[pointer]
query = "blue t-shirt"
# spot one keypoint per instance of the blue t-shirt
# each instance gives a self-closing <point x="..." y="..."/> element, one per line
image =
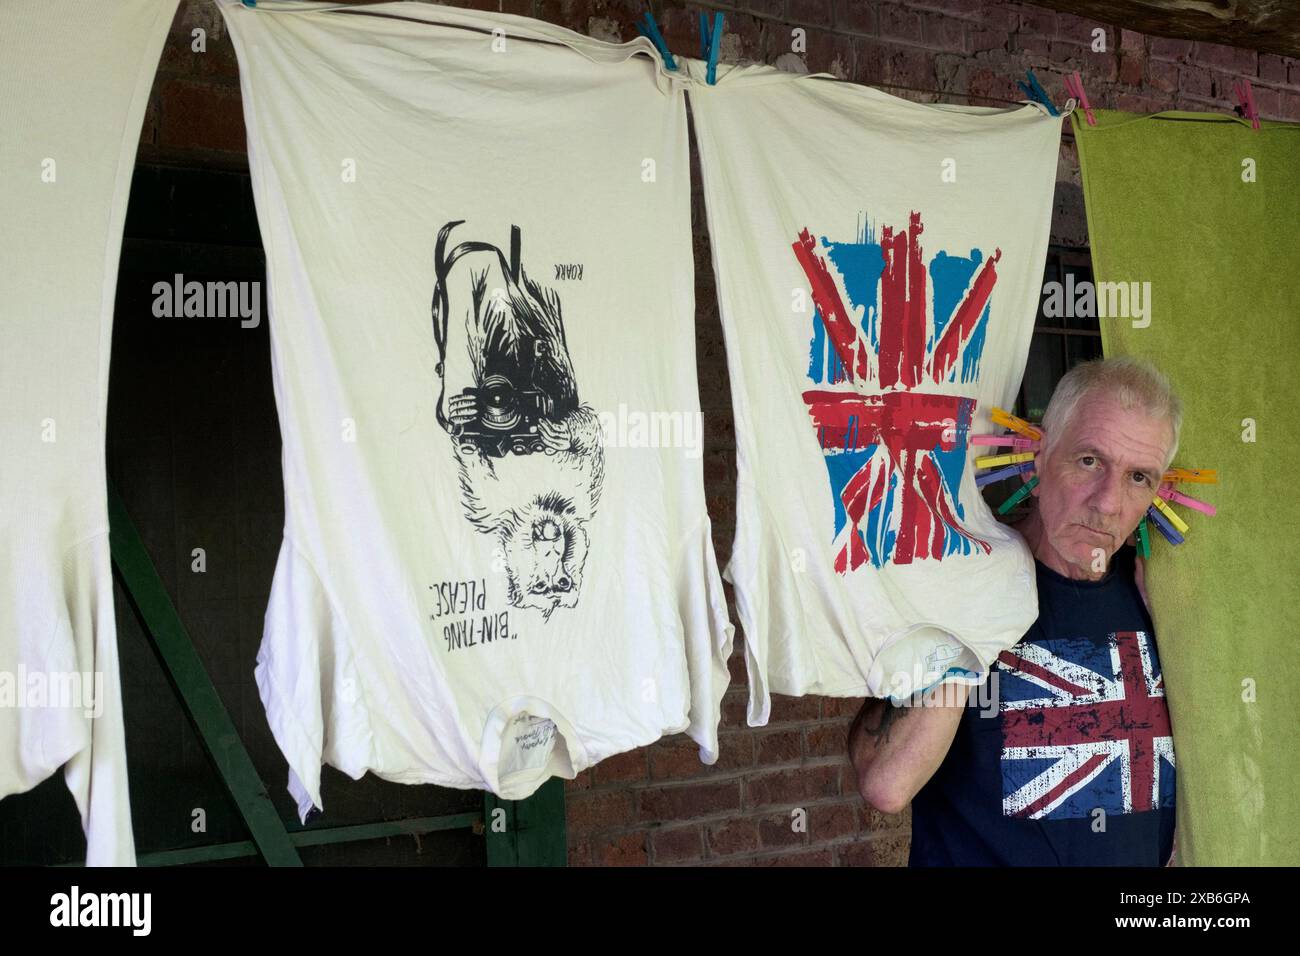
<point x="1064" y="756"/>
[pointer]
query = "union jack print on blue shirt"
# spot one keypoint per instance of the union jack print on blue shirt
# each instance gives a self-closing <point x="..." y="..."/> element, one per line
<point x="1085" y="725"/>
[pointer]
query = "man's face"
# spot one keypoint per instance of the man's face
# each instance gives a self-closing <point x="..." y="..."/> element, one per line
<point x="1098" y="481"/>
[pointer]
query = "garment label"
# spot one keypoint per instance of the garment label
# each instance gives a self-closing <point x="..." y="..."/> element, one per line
<point x="530" y="740"/>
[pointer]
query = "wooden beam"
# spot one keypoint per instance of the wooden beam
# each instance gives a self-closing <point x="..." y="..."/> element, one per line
<point x="1269" y="26"/>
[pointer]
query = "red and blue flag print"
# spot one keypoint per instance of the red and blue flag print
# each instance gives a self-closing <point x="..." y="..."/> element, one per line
<point x="888" y="328"/>
<point x="1085" y="725"/>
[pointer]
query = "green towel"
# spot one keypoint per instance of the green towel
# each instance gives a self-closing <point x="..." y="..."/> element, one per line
<point x="1167" y="204"/>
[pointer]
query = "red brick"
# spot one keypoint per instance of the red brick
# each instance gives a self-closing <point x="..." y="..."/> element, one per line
<point x="1037" y="21"/>
<point x="794" y="708"/>
<point x="1080" y="30"/>
<point x="777" y="830"/>
<point x="890" y="850"/>
<point x="993" y="85"/>
<point x="623" y="768"/>
<point x="598" y="810"/>
<point x="830" y="52"/>
<point x="792" y="787"/>
<point x="1093" y="67"/>
<point x="1293" y="73"/>
<point x="1166" y="48"/>
<point x="832" y="822"/>
<point x="781" y="746"/>
<point x="855" y="854"/>
<point x="1131" y="67"/>
<point x="1228" y="58"/>
<point x="217" y="60"/>
<point x="871" y="820"/>
<point x="828" y="740"/>
<point x="1003" y="16"/>
<point x="809" y="13"/>
<point x="688" y="800"/>
<point x="1290" y="106"/>
<point x="1268" y="102"/>
<point x="736" y="662"/>
<point x="855" y="16"/>
<point x="943" y="33"/>
<point x="1196" y="81"/>
<point x="1163" y="75"/>
<point x="896" y="22"/>
<point x="1272" y="68"/>
<point x="678" y="757"/>
<point x="822" y="857"/>
<point x="678" y="844"/>
<point x="909" y="67"/>
<point x="728" y="837"/>
<point x="579" y="853"/>
<point x="735" y="705"/>
<point x="833" y="707"/>
<point x="980" y="40"/>
<point x="1132" y="40"/>
<point x="1138" y="103"/>
<point x="1033" y="46"/>
<point x="582" y="781"/>
<point x="201" y="116"/>
<point x="626" y="850"/>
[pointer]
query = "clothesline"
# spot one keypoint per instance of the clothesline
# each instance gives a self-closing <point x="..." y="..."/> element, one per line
<point x="889" y="86"/>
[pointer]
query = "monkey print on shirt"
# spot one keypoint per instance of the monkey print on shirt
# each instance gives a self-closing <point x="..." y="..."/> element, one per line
<point x="529" y="453"/>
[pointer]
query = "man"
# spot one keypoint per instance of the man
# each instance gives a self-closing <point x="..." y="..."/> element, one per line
<point x="1064" y="755"/>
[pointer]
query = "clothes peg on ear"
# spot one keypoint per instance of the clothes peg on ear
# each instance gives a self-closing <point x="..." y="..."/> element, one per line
<point x="992" y="476"/>
<point x="994" y="461"/>
<point x="1017" y="442"/>
<point x="1143" y="539"/>
<point x="1020" y="495"/>
<point x="1019" y="425"/>
<point x="1198" y="475"/>
<point x="1164" y="526"/>
<point x="1169" y="513"/>
<point x="1185" y="500"/>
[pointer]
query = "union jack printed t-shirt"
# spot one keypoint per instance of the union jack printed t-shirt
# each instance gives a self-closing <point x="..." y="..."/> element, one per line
<point x="1065" y="756"/>
<point x="879" y="266"/>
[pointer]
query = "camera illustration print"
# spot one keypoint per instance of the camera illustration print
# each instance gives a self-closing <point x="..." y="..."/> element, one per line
<point x="529" y="453"/>
<point x="889" y="328"/>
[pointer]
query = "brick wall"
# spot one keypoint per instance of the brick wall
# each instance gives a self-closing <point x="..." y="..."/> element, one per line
<point x="780" y="794"/>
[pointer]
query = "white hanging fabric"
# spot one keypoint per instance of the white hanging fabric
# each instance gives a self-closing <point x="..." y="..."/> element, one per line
<point x="497" y="564"/>
<point x="75" y="77"/>
<point x="878" y="265"/>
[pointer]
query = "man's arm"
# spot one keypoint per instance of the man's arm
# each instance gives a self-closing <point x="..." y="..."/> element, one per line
<point x="896" y="749"/>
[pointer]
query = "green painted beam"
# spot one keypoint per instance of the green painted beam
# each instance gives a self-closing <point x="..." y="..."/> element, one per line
<point x="199" y="696"/>
<point x="317" y="837"/>
<point x="527" y="832"/>
<point x="375" y="831"/>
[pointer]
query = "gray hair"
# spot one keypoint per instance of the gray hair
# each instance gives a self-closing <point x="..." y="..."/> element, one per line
<point x="1135" y="382"/>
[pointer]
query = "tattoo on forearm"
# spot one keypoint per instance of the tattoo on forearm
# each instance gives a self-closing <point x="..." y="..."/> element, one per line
<point x="890" y="714"/>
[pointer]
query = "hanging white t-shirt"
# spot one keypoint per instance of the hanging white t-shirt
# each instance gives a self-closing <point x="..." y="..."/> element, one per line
<point x="75" y="77"/>
<point x="878" y="266"/>
<point x="497" y="564"/>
